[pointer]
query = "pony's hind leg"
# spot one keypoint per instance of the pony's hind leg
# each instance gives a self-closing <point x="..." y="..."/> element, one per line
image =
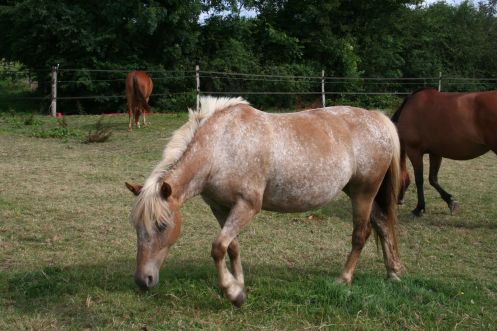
<point x="388" y="243"/>
<point x="240" y="215"/>
<point x="435" y="162"/>
<point x="361" y="209"/>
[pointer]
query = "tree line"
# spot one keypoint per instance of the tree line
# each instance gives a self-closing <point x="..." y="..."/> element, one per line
<point x="346" y="38"/>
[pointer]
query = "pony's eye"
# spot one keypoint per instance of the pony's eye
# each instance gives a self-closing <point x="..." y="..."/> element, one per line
<point x="160" y="226"/>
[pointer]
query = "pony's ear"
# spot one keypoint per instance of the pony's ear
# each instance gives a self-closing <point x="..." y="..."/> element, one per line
<point x="134" y="188"/>
<point x="165" y="190"/>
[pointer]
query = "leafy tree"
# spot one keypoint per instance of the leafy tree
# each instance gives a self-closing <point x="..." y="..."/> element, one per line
<point x="346" y="38"/>
<point x="98" y="35"/>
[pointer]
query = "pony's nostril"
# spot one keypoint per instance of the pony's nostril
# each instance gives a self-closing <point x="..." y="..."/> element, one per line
<point x="150" y="281"/>
<point x="144" y="282"/>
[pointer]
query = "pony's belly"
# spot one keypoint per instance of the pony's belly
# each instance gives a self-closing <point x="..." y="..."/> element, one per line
<point x="295" y="197"/>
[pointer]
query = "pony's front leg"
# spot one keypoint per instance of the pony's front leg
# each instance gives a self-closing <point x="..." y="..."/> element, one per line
<point x="221" y="215"/>
<point x="236" y="262"/>
<point x="232" y="286"/>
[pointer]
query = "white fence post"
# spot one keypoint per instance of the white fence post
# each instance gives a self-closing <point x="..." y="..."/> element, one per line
<point x="323" y="94"/>
<point x="197" y="78"/>
<point x="53" y="104"/>
<point x="440" y="81"/>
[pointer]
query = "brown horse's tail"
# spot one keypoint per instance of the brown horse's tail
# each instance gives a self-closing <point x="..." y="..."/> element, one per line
<point x="139" y="97"/>
<point x="385" y="202"/>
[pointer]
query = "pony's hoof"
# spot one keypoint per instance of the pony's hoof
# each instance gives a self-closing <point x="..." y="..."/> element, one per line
<point x="343" y="280"/>
<point x="453" y="207"/>
<point x="240" y="299"/>
<point x="393" y="277"/>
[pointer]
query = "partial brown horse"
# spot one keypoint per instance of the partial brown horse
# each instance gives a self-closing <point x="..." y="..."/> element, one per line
<point x="242" y="160"/>
<point x="458" y="126"/>
<point x="139" y="86"/>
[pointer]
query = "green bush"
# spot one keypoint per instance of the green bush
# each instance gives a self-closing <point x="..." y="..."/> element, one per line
<point x="32" y="120"/>
<point x="58" y="132"/>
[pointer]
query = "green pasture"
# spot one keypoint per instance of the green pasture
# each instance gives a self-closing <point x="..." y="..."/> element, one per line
<point x="67" y="248"/>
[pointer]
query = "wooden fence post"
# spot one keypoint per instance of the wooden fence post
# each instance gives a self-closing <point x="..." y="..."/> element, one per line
<point x="439" y="81"/>
<point x="197" y="78"/>
<point x="53" y="104"/>
<point x="323" y="94"/>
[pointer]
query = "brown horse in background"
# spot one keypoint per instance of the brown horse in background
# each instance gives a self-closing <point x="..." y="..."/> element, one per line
<point x="138" y="89"/>
<point x="241" y="160"/>
<point x="458" y="126"/>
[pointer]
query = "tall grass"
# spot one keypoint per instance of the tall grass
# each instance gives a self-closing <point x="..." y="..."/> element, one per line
<point x="67" y="250"/>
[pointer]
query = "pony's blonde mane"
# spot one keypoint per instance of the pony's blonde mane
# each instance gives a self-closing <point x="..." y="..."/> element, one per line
<point x="149" y="206"/>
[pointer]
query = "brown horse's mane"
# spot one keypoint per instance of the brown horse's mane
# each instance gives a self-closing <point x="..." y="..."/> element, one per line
<point x="396" y="115"/>
<point x="149" y="207"/>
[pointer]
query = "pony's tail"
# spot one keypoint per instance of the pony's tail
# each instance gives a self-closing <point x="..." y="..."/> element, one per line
<point x="139" y="95"/>
<point x="385" y="202"/>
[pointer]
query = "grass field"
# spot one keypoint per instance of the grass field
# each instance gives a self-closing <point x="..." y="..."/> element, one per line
<point x="67" y="249"/>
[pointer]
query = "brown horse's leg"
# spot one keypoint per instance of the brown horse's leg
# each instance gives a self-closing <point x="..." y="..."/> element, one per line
<point x="361" y="209"/>
<point x="144" y="111"/>
<point x="240" y="215"/>
<point x="129" y="100"/>
<point x="388" y="244"/>
<point x="417" y="163"/>
<point x="137" y="116"/>
<point x="405" y="180"/>
<point x="221" y="215"/>
<point x="130" y="115"/>
<point x="435" y="162"/>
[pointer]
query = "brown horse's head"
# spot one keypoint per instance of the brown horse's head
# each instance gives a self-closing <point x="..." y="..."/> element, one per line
<point x="157" y="224"/>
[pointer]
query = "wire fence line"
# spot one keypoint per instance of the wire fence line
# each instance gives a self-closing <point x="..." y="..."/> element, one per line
<point x="87" y="84"/>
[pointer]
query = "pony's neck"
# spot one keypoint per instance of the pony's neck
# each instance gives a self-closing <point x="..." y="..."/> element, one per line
<point x="187" y="178"/>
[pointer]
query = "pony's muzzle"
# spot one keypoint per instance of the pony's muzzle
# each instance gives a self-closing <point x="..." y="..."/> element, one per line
<point x="146" y="281"/>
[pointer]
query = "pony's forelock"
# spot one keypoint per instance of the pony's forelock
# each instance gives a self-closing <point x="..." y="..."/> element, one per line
<point x="150" y="208"/>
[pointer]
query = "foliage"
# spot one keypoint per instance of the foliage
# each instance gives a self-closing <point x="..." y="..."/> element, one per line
<point x="32" y="120"/>
<point x="61" y="131"/>
<point x="354" y="39"/>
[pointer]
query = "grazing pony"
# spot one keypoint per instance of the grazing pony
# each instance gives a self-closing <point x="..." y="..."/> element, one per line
<point x="241" y="160"/>
<point x="138" y="89"/>
<point x="458" y="126"/>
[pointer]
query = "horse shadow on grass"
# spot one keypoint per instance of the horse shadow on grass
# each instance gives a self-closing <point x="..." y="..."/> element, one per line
<point x="445" y="219"/>
<point x="184" y="284"/>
